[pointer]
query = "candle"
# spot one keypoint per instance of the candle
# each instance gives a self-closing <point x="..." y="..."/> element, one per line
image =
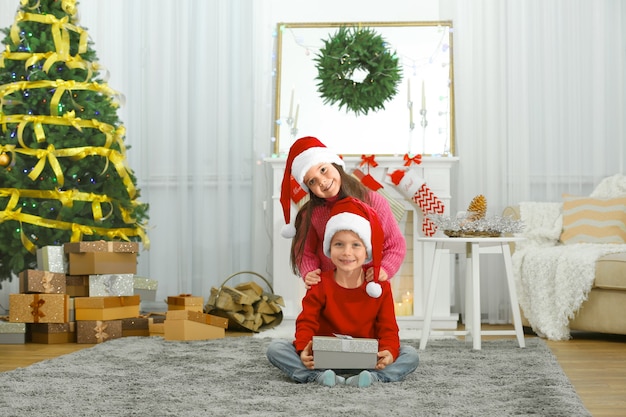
<point x="295" y="120"/>
<point x="291" y="103"/>
<point x="423" y="97"/>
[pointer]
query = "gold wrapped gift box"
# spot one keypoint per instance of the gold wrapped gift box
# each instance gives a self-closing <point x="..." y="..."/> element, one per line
<point x="90" y="258"/>
<point x="185" y="302"/>
<point x="43" y="282"/>
<point x="39" y="308"/>
<point x="106" y="308"/>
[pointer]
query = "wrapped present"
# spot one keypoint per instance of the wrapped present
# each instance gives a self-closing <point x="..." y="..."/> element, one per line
<point x="156" y="325"/>
<point x="344" y="352"/>
<point x="98" y="331"/>
<point x="145" y="288"/>
<point x="106" y="308"/>
<point x="190" y="325"/>
<point x="93" y="258"/>
<point x="136" y="326"/>
<point x="77" y="285"/>
<point x="185" y="302"/>
<point x="52" y="333"/>
<point x="39" y="308"/>
<point x="42" y="282"/>
<point x="52" y="258"/>
<point x="198" y="317"/>
<point x="111" y="284"/>
<point x="12" y="333"/>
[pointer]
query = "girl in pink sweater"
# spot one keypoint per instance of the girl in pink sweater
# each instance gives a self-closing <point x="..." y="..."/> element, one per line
<point x="321" y="172"/>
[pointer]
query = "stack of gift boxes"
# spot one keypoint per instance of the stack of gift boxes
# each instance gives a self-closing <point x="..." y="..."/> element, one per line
<point x="87" y="292"/>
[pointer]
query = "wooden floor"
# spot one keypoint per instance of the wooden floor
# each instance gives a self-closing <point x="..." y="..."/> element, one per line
<point x="594" y="363"/>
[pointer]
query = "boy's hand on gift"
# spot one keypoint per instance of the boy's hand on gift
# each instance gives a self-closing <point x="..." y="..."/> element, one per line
<point x="312" y="278"/>
<point x="382" y="276"/>
<point x="306" y="356"/>
<point x="384" y="358"/>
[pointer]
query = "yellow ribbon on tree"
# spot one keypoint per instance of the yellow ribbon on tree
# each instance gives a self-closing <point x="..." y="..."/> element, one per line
<point x="49" y="154"/>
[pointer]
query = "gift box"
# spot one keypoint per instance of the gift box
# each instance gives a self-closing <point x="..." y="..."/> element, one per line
<point x="177" y="329"/>
<point x="52" y="258"/>
<point x="156" y="325"/>
<point x="12" y="333"/>
<point x="145" y="288"/>
<point x="77" y="285"/>
<point x="39" y="308"/>
<point x="185" y="302"/>
<point x="43" y="282"/>
<point x="93" y="258"/>
<point x="52" y="333"/>
<point x="198" y="317"/>
<point x="98" y="331"/>
<point x="136" y="326"/>
<point x="104" y="285"/>
<point x="106" y="308"/>
<point x="344" y="352"/>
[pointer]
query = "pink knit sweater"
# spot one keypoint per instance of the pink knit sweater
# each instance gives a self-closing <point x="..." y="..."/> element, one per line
<point x="394" y="247"/>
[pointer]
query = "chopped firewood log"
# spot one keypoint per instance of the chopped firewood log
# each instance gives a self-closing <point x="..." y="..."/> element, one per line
<point x="250" y="286"/>
<point x="237" y="296"/>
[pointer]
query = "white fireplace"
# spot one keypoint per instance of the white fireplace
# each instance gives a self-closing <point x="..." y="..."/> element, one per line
<point x="410" y="285"/>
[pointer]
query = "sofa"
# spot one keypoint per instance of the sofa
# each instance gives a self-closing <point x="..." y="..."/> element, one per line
<point x="570" y="270"/>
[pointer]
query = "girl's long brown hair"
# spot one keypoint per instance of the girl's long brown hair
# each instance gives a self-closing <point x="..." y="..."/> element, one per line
<point x="350" y="187"/>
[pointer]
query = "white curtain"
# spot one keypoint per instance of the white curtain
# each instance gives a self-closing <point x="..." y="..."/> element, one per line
<point x="540" y="105"/>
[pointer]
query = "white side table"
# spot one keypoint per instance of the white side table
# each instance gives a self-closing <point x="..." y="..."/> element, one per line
<point x="473" y="248"/>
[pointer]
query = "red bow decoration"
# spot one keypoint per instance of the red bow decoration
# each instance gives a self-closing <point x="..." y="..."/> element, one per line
<point x="369" y="160"/>
<point x="417" y="159"/>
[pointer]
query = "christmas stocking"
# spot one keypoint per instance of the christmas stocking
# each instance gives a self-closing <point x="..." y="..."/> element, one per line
<point x="415" y="189"/>
<point x="370" y="182"/>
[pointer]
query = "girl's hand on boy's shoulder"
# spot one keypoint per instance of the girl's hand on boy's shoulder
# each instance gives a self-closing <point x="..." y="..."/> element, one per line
<point x="312" y="278"/>
<point x="382" y="276"/>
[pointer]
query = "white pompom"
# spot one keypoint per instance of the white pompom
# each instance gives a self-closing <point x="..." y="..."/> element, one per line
<point x="288" y="231"/>
<point x="374" y="289"/>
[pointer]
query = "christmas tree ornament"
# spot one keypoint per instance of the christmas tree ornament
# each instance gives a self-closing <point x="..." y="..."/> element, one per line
<point x="415" y="189"/>
<point x="5" y="159"/>
<point x="356" y="69"/>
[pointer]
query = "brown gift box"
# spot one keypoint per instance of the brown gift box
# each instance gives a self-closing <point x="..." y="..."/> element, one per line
<point x="39" y="308"/>
<point x="198" y="317"/>
<point x="44" y="282"/>
<point x="93" y="263"/>
<point x="52" y="333"/>
<point x="98" y="331"/>
<point x="77" y="285"/>
<point x="101" y="246"/>
<point x="106" y="308"/>
<point x="191" y="330"/>
<point x="185" y="302"/>
<point x="156" y="325"/>
<point x="136" y="326"/>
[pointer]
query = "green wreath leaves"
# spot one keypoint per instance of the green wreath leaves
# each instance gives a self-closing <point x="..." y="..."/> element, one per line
<point x="354" y="52"/>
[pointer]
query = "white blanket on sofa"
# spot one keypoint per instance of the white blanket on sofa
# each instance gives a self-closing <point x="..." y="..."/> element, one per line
<point x="553" y="280"/>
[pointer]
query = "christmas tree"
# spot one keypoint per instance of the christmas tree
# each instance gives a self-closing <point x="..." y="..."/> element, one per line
<point x="63" y="171"/>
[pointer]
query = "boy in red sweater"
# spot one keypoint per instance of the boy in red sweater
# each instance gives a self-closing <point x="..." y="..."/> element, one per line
<point x="343" y="302"/>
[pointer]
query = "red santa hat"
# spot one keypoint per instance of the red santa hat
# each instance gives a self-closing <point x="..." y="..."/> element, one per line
<point x="305" y="153"/>
<point x="354" y="215"/>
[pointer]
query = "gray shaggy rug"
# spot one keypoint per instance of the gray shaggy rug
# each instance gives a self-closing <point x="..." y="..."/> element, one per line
<point x="148" y="376"/>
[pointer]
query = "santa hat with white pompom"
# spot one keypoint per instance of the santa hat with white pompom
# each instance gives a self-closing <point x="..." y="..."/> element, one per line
<point x="354" y="215"/>
<point x="305" y="153"/>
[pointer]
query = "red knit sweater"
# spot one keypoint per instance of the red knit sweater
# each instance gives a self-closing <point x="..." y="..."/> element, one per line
<point x="394" y="246"/>
<point x="329" y="308"/>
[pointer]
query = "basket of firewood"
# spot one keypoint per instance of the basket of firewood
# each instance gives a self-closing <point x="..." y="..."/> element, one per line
<point x="247" y="305"/>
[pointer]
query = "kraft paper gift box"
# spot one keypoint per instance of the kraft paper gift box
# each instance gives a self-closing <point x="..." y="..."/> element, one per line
<point x="39" y="308"/>
<point x="177" y="329"/>
<point x="42" y="282"/>
<point x="344" y="352"/>
<point x="106" y="308"/>
<point x="136" y="326"/>
<point x="156" y="325"/>
<point x="52" y="258"/>
<point x="12" y="333"/>
<point x="98" y="331"/>
<point x="104" y="285"/>
<point x="92" y="258"/>
<point x="52" y="333"/>
<point x="185" y="302"/>
<point x="198" y="317"/>
<point x="145" y="288"/>
<point x="77" y="285"/>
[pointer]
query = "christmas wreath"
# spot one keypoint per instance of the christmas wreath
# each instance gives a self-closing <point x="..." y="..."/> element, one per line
<point x="357" y="70"/>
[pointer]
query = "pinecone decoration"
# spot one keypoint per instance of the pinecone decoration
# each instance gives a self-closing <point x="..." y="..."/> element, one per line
<point x="477" y="208"/>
